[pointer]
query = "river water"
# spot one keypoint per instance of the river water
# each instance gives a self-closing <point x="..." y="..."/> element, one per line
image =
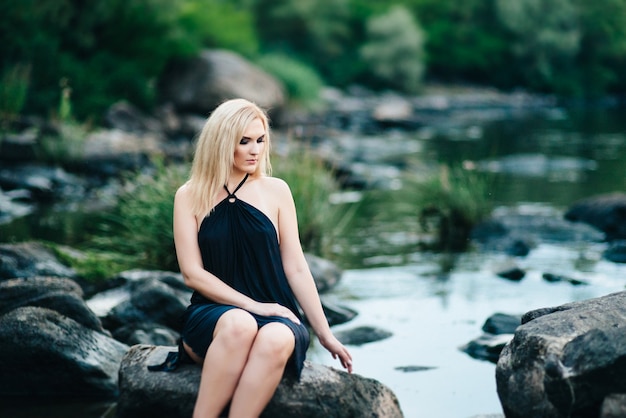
<point x="435" y="303"/>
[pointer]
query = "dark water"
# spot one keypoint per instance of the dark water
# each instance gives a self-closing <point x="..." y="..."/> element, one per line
<point x="435" y="303"/>
<point x="554" y="158"/>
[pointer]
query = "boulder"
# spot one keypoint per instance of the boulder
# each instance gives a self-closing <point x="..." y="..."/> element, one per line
<point x="320" y="392"/>
<point x="61" y="295"/>
<point x="614" y="406"/>
<point x="605" y="212"/>
<point x="486" y="347"/>
<point x="160" y="299"/>
<point x="498" y="331"/>
<point x="501" y="323"/>
<point x="29" y="259"/>
<point x="199" y="84"/>
<point x="326" y="273"/>
<point x="565" y="361"/>
<point x="46" y="354"/>
<point x="107" y="152"/>
<point x="516" y="231"/>
<point x="45" y="183"/>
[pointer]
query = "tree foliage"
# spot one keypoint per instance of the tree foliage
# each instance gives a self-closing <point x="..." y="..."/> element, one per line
<point x="394" y="50"/>
<point x="109" y="50"/>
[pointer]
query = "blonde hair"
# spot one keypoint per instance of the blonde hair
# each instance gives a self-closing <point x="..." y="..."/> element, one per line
<point x="215" y="149"/>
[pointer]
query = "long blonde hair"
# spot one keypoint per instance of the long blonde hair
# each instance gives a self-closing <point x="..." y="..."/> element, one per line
<point x="215" y="149"/>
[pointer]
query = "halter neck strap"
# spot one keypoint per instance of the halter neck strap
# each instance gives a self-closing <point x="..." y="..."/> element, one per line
<point x="231" y="195"/>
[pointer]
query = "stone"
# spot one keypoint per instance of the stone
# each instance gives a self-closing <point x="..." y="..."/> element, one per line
<point x="58" y="294"/>
<point x="199" y="84"/>
<point x="501" y="323"/>
<point x="565" y="360"/>
<point x="486" y="347"/>
<point x="362" y="335"/>
<point x="46" y="354"/>
<point x="30" y="259"/>
<point x="614" y="406"/>
<point x="606" y="212"/>
<point x="515" y="274"/>
<point x="326" y="273"/>
<point x="321" y="391"/>
<point x="161" y="299"/>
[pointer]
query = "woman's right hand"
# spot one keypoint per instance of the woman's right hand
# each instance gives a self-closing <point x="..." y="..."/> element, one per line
<point x="274" y="309"/>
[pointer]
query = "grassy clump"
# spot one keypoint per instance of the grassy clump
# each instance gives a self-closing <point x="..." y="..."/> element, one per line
<point x="13" y="90"/>
<point x="449" y="204"/>
<point x="140" y="226"/>
<point x="312" y="183"/>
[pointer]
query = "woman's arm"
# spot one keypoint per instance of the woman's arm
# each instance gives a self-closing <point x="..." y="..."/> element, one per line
<point x="192" y="268"/>
<point x="300" y="278"/>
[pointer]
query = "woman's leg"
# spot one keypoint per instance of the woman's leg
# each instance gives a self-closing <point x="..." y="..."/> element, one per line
<point x="224" y="362"/>
<point x="272" y="347"/>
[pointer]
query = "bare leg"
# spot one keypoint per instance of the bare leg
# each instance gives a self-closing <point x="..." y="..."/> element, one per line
<point x="224" y="362"/>
<point x="268" y="356"/>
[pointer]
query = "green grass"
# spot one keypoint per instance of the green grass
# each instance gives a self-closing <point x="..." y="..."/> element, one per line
<point x="449" y="204"/>
<point x="312" y="183"/>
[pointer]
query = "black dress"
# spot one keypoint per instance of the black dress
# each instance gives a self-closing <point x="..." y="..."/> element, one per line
<point x="239" y="245"/>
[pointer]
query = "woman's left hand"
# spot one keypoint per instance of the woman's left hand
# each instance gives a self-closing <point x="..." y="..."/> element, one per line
<point x="338" y="350"/>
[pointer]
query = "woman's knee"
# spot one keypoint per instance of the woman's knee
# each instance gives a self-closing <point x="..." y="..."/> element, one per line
<point x="275" y="341"/>
<point x="236" y="326"/>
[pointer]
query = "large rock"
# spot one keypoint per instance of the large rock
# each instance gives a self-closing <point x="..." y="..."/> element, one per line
<point x="566" y="361"/>
<point x="326" y="273"/>
<point x="605" y="212"/>
<point x="61" y="295"/>
<point x="46" y="354"/>
<point x="158" y="297"/>
<point x="29" y="259"/>
<point x="198" y="85"/>
<point x="321" y="391"/>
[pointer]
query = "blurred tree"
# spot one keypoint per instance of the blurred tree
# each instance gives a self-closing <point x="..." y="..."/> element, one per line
<point x="106" y="49"/>
<point x="394" y="50"/>
<point x="317" y="32"/>
<point x="220" y="24"/>
<point x="602" y="56"/>
<point x="547" y="40"/>
<point x="464" y="41"/>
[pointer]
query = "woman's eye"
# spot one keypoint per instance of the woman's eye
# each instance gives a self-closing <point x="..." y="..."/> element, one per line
<point x="260" y="140"/>
<point x="244" y="141"/>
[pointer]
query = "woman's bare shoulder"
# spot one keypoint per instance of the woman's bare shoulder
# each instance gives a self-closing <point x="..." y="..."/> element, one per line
<point x="275" y="185"/>
<point x="183" y="191"/>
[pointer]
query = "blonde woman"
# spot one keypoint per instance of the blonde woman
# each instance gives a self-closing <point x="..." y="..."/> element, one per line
<point x="238" y="248"/>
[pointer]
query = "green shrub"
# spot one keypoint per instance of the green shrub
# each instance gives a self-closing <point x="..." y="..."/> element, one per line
<point x="449" y="204"/>
<point x="13" y="88"/>
<point x="107" y="49"/>
<point x="393" y="50"/>
<point x="93" y="265"/>
<point x="312" y="184"/>
<point x="302" y="82"/>
<point x="219" y="24"/>
<point x="547" y="39"/>
<point x="66" y="148"/>
<point x="140" y="226"/>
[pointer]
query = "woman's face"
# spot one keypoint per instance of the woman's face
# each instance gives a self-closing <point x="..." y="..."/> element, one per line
<point x="250" y="148"/>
